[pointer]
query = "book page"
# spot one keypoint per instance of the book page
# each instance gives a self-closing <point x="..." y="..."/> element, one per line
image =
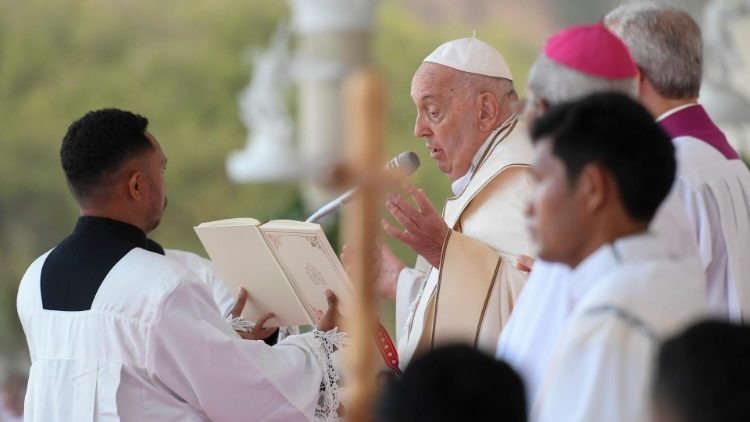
<point x="290" y="225"/>
<point x="243" y="221"/>
<point x="242" y="258"/>
<point x="309" y="262"/>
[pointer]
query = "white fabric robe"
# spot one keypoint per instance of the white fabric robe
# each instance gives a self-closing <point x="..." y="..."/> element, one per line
<point x="206" y="272"/>
<point x="634" y="294"/>
<point x="542" y="310"/>
<point x="154" y="346"/>
<point x="716" y="194"/>
<point x="488" y="227"/>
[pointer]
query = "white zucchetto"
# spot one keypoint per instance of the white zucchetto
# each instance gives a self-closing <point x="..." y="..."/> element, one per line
<point x="473" y="56"/>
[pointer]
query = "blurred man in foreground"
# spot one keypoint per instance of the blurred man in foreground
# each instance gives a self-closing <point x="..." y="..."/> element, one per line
<point x="453" y="383"/>
<point x="575" y="62"/>
<point x="703" y="375"/>
<point x="603" y="169"/>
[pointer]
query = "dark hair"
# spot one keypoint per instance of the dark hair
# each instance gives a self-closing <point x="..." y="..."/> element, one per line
<point x="97" y="144"/>
<point x="703" y="373"/>
<point x="613" y="131"/>
<point x="453" y="383"/>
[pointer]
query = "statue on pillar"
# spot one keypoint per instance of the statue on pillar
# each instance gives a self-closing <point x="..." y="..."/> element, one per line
<point x="269" y="153"/>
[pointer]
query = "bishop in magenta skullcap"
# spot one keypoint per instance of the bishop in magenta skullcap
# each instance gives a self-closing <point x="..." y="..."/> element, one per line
<point x="591" y="49"/>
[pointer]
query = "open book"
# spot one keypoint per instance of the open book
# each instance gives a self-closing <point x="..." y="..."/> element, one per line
<point x="285" y="265"/>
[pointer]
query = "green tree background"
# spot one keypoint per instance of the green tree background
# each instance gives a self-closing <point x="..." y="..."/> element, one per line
<point x="179" y="64"/>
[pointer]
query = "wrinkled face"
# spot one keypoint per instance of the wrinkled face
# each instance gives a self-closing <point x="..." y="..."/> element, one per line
<point x="447" y="118"/>
<point x="556" y="210"/>
<point x="155" y="189"/>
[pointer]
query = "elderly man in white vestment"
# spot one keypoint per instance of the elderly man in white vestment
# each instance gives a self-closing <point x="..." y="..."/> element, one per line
<point x="603" y="168"/>
<point x="117" y="331"/>
<point x="465" y="283"/>
<point x="575" y="62"/>
<point x="713" y="184"/>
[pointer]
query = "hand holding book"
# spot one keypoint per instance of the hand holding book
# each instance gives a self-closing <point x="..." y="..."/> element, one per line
<point x="258" y="330"/>
<point x="287" y="266"/>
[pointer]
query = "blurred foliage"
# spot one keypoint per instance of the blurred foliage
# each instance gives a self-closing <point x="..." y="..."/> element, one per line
<point x="179" y="63"/>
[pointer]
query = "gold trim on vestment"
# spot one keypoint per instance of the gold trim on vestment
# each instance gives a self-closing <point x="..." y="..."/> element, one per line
<point x="491" y="147"/>
<point x="427" y="277"/>
<point x="486" y="301"/>
<point x="454" y="208"/>
<point x="452" y="224"/>
<point x="486" y="263"/>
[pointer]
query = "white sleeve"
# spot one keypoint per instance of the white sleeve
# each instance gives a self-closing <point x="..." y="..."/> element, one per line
<point x="207" y="274"/>
<point x="194" y="353"/>
<point x="410" y="280"/>
<point x="720" y="211"/>
<point x="538" y="318"/>
<point x="672" y="224"/>
<point x="601" y="371"/>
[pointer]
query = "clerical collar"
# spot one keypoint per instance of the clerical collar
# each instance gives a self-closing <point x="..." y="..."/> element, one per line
<point x="693" y="121"/>
<point x="460" y="184"/>
<point x="106" y="227"/>
<point x="673" y="111"/>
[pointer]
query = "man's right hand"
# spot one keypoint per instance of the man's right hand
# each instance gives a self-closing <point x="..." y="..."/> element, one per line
<point x="388" y="266"/>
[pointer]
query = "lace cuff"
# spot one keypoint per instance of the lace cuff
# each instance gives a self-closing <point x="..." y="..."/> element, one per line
<point x="240" y="324"/>
<point x="288" y="330"/>
<point x="322" y="344"/>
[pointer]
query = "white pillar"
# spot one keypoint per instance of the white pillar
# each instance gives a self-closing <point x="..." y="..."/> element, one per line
<point x="725" y="92"/>
<point x="332" y="39"/>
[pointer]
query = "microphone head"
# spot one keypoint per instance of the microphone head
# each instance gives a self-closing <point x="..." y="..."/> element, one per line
<point x="407" y="162"/>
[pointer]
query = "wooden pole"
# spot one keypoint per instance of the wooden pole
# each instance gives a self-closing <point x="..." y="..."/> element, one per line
<point x="364" y="110"/>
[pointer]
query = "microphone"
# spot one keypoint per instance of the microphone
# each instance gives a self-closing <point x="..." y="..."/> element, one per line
<point x="407" y="163"/>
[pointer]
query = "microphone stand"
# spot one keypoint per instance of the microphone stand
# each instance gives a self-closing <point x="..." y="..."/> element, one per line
<point x="330" y="207"/>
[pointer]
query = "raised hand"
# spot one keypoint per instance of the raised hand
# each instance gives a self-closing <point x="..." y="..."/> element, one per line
<point x="424" y="229"/>
<point x="388" y="267"/>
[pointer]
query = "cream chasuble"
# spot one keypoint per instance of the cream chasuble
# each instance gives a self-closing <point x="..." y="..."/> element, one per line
<point x="470" y="298"/>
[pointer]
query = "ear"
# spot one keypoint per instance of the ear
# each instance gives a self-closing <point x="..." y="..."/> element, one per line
<point x="489" y="108"/>
<point x="543" y="105"/>
<point x="540" y="106"/>
<point x="644" y="86"/>
<point x="135" y="185"/>
<point x="593" y="185"/>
